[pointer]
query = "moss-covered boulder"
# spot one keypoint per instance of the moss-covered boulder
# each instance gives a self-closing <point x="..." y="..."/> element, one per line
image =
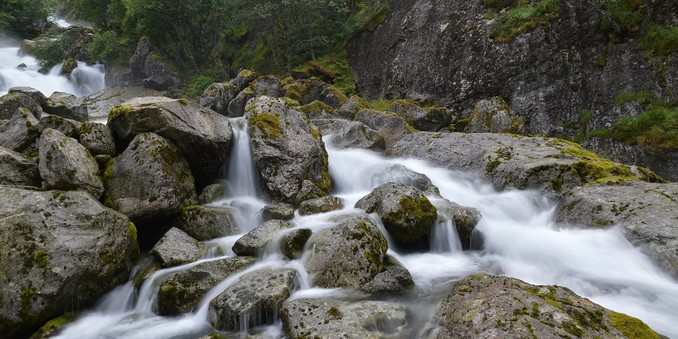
<point x="510" y="308"/>
<point x="208" y="222"/>
<point x="388" y="124"/>
<point x="430" y="119"/>
<point x="358" y="135"/>
<point x="406" y="212"/>
<point x="67" y="106"/>
<point x="286" y="149"/>
<point x="20" y="131"/>
<point x="58" y="248"/>
<point x="494" y="115"/>
<point x="307" y="91"/>
<point x="17" y="169"/>
<point x="97" y="138"/>
<point x="12" y="101"/>
<point x="217" y="96"/>
<point x="267" y="85"/>
<point x="347" y="255"/>
<point x="177" y="248"/>
<point x="69" y="127"/>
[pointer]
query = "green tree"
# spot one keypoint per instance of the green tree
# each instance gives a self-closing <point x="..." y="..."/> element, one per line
<point x="26" y="17"/>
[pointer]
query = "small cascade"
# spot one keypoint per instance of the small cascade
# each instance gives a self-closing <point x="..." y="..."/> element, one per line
<point x="444" y="237"/>
<point x="241" y="174"/>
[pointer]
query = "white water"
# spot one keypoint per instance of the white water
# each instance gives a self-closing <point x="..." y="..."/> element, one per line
<point x="520" y="238"/>
<point x="84" y="80"/>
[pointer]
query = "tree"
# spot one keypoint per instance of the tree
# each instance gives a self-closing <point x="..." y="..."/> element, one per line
<point x="26" y="17"/>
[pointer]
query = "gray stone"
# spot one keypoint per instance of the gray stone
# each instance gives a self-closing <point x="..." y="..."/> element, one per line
<point x="331" y="126"/>
<point x="357" y="135"/>
<point x="254" y="300"/>
<point x="66" y="165"/>
<point x="244" y="79"/>
<point x="430" y="119"/>
<point x="17" y="169"/>
<point x="280" y="211"/>
<point x="97" y="138"/>
<point x="354" y="105"/>
<point x="66" y="106"/>
<point x="390" y="126"/>
<point x="396" y="173"/>
<point x="208" y="222"/>
<point x="292" y="243"/>
<point x="215" y="192"/>
<point x="320" y="205"/>
<point x="255" y="241"/>
<point x="20" y="131"/>
<point x="393" y="280"/>
<point x="465" y="219"/>
<point x="217" y="96"/>
<point x="31" y="92"/>
<point x="494" y="115"/>
<point x="176" y="248"/>
<point x="11" y="102"/>
<point x="69" y="127"/>
<point x="308" y="191"/>
<point x="99" y="104"/>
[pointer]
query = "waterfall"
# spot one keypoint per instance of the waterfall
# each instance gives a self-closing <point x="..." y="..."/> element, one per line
<point x="241" y="175"/>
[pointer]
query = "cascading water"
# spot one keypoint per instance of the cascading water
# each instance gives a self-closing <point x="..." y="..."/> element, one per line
<point x="520" y="240"/>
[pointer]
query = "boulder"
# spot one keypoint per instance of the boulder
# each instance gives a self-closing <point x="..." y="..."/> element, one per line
<point x="254" y="299"/>
<point x="357" y="135"/>
<point x="347" y="255"/>
<point x="138" y="60"/>
<point x="20" y="131"/>
<point x="308" y="191"/>
<point x="464" y="219"/>
<point x="11" y="102"/>
<point x="99" y="104"/>
<point x="286" y="149"/>
<point x="280" y="211"/>
<point x="215" y="192"/>
<point x="66" y="165"/>
<point x="217" y="96"/>
<point x="244" y="79"/>
<point x="292" y="243"/>
<point x="332" y="318"/>
<point x="483" y="306"/>
<point x="176" y="248"/>
<point x="255" y="241"/>
<point x="507" y="160"/>
<point x="647" y="213"/>
<point x="69" y="127"/>
<point x="396" y="173"/>
<point x="160" y="73"/>
<point x="387" y="124"/>
<point x="208" y="222"/>
<point x="182" y="291"/>
<point x="66" y="106"/>
<point x="267" y="85"/>
<point x="306" y="91"/>
<point x="150" y="180"/>
<point x="331" y="126"/>
<point x="17" y="169"/>
<point x="317" y="110"/>
<point x="354" y="105"/>
<point x="97" y="138"/>
<point x="203" y="136"/>
<point x="320" y="205"/>
<point x="393" y="280"/>
<point x="31" y="92"/>
<point x="430" y="119"/>
<point x="494" y="115"/>
<point x="58" y="248"/>
<point x="404" y="210"/>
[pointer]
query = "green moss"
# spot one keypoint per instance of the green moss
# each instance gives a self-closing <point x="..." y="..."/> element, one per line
<point x="492" y="165"/>
<point x="316" y="108"/>
<point x="53" y="326"/>
<point x="556" y="184"/>
<point x="656" y="127"/>
<point x="380" y="105"/>
<point x="522" y="18"/>
<point x="40" y="257"/>
<point x="632" y="327"/>
<point x="420" y="209"/>
<point x="621" y="17"/>
<point x="132" y="231"/>
<point x="334" y="312"/>
<point x="182" y="101"/>
<point x="642" y="97"/>
<point x="119" y="111"/>
<point x="572" y="329"/>
<point x="268" y="124"/>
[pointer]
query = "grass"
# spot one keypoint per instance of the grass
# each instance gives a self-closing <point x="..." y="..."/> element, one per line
<point x="621" y="17"/>
<point x="632" y="327"/>
<point x="522" y="18"/>
<point x="660" y="40"/>
<point x="656" y="127"/>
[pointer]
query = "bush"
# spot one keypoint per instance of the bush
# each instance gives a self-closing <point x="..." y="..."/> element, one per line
<point x="656" y="127"/>
<point x="200" y="81"/>
<point x="523" y="18"/>
<point x="26" y="17"/>
<point x="621" y="17"/>
<point x="105" y="46"/>
<point x="660" y="40"/>
<point x="52" y="51"/>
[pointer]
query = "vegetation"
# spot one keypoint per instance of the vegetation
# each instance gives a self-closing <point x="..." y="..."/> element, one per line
<point x="621" y="17"/>
<point x="52" y="51"/>
<point x="521" y="16"/>
<point x="660" y="40"/>
<point x="26" y="17"/>
<point x="632" y="327"/>
<point x="656" y="127"/>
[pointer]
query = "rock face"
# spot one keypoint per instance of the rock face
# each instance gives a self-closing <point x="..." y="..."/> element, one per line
<point x="58" y="248"/>
<point x="153" y="71"/>
<point x="286" y="149"/>
<point x="453" y="54"/>
<point x="254" y="242"/>
<point x="647" y="213"/>
<point x="515" y="161"/>
<point x="484" y="306"/>
<point x="203" y="136"/>
<point x="149" y="180"/>
<point x="255" y="299"/>
<point x="347" y="255"/>
<point x="66" y="165"/>
<point x="405" y="211"/>
<point x="17" y="169"/>
<point x="330" y="318"/>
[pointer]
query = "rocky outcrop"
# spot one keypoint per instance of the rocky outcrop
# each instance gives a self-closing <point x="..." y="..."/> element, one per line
<point x="286" y="149"/>
<point x="151" y="69"/>
<point x="392" y="280"/>
<point x="255" y="241"/>
<point x="58" y="248"/>
<point x="17" y="169"/>
<point x="203" y="136"/>
<point x="430" y="119"/>
<point x="508" y="160"/>
<point x="20" y="131"/>
<point x="483" y="306"/>
<point x="150" y="180"/>
<point x="646" y="212"/>
<point x="176" y="248"/>
<point x="66" y="106"/>
<point x="208" y="222"/>
<point x="66" y="165"/>
<point x="332" y="318"/>
<point x="347" y="255"/>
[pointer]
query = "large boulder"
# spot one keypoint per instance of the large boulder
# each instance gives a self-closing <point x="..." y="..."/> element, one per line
<point x="483" y="306"/>
<point x="97" y="138"/>
<point x="347" y="255"/>
<point x="267" y="85"/>
<point x="321" y="205"/>
<point x="647" y="213"/>
<point x="494" y="115"/>
<point x="255" y="241"/>
<point x="66" y="165"/>
<point x="59" y="250"/>
<point x="11" y="102"/>
<point x="397" y="173"/>
<point x="208" y="222"/>
<point x="406" y="212"/>
<point x="388" y="124"/>
<point x="69" y="127"/>
<point x="280" y="211"/>
<point x="17" y="169"/>
<point x="154" y="71"/>
<point x="217" y="96"/>
<point x="20" y="131"/>
<point x="286" y="149"/>
<point x="430" y="119"/>
<point x="254" y="299"/>
<point x="67" y="106"/>
<point x="99" y="104"/>
<point x="357" y="135"/>
<point x="508" y="160"/>
<point x="177" y="248"/>
<point x="182" y="291"/>
<point x="203" y="136"/>
<point x="333" y="318"/>
<point x="150" y="180"/>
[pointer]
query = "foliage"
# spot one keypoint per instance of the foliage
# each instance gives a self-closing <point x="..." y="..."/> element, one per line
<point x="105" y="46"/>
<point x="521" y="18"/>
<point x="200" y="81"/>
<point x="660" y="40"/>
<point x="26" y="17"/>
<point x="621" y="17"/>
<point x="52" y="51"/>
<point x="656" y="127"/>
<point x="103" y="13"/>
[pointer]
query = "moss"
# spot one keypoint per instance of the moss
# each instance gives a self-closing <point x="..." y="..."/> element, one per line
<point x="381" y="105"/>
<point x="556" y="184"/>
<point x="657" y="127"/>
<point x="40" y="257"/>
<point x="132" y="231"/>
<point x="632" y="327"/>
<point x="119" y="111"/>
<point x="316" y="108"/>
<point x="522" y="18"/>
<point x="660" y="40"/>
<point x="492" y="165"/>
<point x="53" y="326"/>
<point x="334" y="312"/>
<point x="621" y="17"/>
<point x="420" y="209"/>
<point x="572" y="328"/>
<point x="268" y="124"/>
<point x="182" y="101"/>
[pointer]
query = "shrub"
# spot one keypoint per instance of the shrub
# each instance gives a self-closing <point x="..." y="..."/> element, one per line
<point x="621" y="17"/>
<point x="200" y="81"/>
<point x="660" y="40"/>
<point x="52" y="51"/>
<point x="656" y="127"/>
<point x="523" y="18"/>
<point x="105" y="46"/>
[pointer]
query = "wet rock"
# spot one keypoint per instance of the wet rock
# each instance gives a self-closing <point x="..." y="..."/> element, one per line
<point x="390" y="126"/>
<point x="177" y="248"/>
<point x="465" y="219"/>
<point x="17" y="169"/>
<point x="647" y="213"/>
<point x="391" y="281"/>
<point x="20" y="131"/>
<point x="308" y="191"/>
<point x="255" y="241"/>
<point x="320" y="205"/>
<point x="357" y="135"/>
<point x="97" y="138"/>
<point x="69" y="66"/>
<point x="430" y="119"/>
<point x="280" y="211"/>
<point x="203" y="136"/>
<point x="11" y="102"/>
<point x="494" y="115"/>
<point x="292" y="243"/>
<point x="405" y="211"/>
<point x="215" y="192"/>
<point x="66" y="165"/>
<point x="66" y="106"/>
<point x="332" y="318"/>
<point x="69" y="127"/>
<point x="347" y="255"/>
<point x="331" y="126"/>
<point x="397" y="173"/>
<point x="59" y="248"/>
<point x="286" y="149"/>
<point x="512" y="308"/>
<point x="182" y="291"/>
<point x="149" y="180"/>
<point x="255" y="299"/>
<point x="208" y="222"/>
